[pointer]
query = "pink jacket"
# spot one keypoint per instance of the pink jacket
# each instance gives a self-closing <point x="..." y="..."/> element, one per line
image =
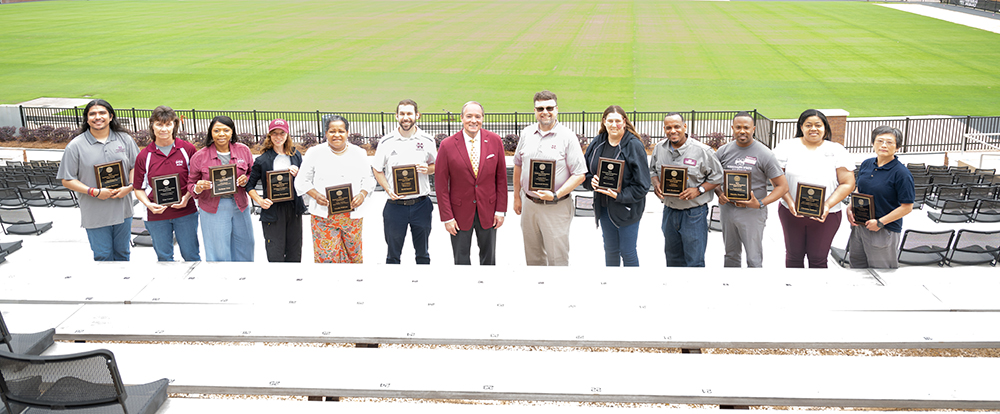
<point x="208" y="157"/>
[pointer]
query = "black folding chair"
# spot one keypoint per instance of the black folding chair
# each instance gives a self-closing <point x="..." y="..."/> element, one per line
<point x="30" y="344"/>
<point x="88" y="382"/>
<point x="975" y="247"/>
<point x="19" y="220"/>
<point x="925" y="247"/>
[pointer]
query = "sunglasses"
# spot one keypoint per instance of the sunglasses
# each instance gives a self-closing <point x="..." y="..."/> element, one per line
<point x="545" y="108"/>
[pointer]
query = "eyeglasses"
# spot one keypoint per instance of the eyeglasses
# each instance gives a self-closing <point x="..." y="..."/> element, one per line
<point x="545" y="108"/>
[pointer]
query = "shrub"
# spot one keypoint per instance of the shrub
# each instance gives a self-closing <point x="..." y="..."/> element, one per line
<point x="309" y="140"/>
<point x="647" y="141"/>
<point x="247" y="139"/>
<point x="356" y="138"/>
<point x="510" y="142"/>
<point x="584" y="141"/>
<point x="438" y="138"/>
<point x="142" y="138"/>
<point x="8" y="134"/>
<point x="714" y="139"/>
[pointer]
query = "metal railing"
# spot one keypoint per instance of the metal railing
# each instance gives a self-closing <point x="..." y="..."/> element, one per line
<point x="921" y="134"/>
<point x="986" y="5"/>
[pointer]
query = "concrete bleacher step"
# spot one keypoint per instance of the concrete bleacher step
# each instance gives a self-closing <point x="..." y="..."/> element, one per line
<point x="586" y="325"/>
<point x="259" y="369"/>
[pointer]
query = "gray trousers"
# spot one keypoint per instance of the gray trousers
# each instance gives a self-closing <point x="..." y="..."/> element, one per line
<point x="873" y="249"/>
<point x="743" y="229"/>
<point x="546" y="232"/>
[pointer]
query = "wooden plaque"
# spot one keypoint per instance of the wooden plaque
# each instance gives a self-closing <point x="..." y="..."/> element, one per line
<point x="673" y="180"/>
<point x="111" y="175"/>
<point x="404" y="180"/>
<point x="166" y="189"/>
<point x="809" y="200"/>
<point x="278" y="185"/>
<point x="223" y="179"/>
<point x="862" y="207"/>
<point x="737" y="185"/>
<point x="610" y="173"/>
<point x="339" y="198"/>
<point x="541" y="175"/>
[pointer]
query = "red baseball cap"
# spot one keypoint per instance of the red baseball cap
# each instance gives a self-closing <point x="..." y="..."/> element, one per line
<point x="278" y="124"/>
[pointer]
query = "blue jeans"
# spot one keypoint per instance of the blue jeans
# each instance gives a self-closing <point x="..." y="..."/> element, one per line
<point x="111" y="243"/>
<point x="228" y="233"/>
<point x="396" y="218"/>
<point x="619" y="242"/>
<point x="686" y="235"/>
<point x="185" y="229"/>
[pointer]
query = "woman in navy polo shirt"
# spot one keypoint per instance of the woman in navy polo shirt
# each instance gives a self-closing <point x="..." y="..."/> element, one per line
<point x="875" y="243"/>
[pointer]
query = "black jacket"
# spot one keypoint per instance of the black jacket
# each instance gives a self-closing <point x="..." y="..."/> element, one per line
<point x="265" y="163"/>
<point x="631" y="202"/>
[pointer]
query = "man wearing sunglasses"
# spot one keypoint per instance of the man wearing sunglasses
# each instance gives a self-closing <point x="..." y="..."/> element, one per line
<point x="546" y="214"/>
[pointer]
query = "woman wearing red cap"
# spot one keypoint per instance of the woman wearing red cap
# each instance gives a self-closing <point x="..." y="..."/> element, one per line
<point x="281" y="220"/>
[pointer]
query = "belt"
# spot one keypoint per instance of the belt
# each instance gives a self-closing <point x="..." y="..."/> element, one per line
<point x="407" y="202"/>
<point x="540" y="201"/>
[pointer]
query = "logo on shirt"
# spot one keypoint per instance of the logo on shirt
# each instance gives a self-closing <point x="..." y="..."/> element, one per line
<point x="120" y="149"/>
<point x="690" y="161"/>
<point x="420" y="146"/>
<point x="179" y="163"/>
<point x="553" y="146"/>
<point x="751" y="160"/>
<point x="393" y="154"/>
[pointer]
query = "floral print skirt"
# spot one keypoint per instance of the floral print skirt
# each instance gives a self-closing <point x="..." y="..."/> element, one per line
<point x="336" y="239"/>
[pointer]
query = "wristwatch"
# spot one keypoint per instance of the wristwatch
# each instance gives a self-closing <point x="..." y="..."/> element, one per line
<point x="701" y="189"/>
<point x="762" y="206"/>
<point x="880" y="225"/>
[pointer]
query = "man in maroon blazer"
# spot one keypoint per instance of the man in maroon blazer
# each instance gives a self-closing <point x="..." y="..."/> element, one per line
<point x="471" y="184"/>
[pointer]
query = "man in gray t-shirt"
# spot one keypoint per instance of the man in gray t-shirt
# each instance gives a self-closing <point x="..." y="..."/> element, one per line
<point x="105" y="213"/>
<point x="743" y="221"/>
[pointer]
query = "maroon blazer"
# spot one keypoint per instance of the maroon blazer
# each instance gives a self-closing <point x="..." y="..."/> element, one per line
<point x="459" y="192"/>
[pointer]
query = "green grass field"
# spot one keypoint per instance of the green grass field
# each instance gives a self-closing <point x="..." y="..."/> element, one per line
<point x="778" y="57"/>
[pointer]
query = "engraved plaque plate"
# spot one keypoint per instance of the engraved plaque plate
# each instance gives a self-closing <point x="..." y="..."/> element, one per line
<point x="166" y="190"/>
<point x="673" y="180"/>
<point x="610" y="173"/>
<point x="223" y="179"/>
<point x="278" y="185"/>
<point x="110" y="175"/>
<point x="861" y="206"/>
<point x="339" y="198"/>
<point x="542" y="175"/>
<point x="404" y="180"/>
<point x="737" y="185"/>
<point x="809" y="200"/>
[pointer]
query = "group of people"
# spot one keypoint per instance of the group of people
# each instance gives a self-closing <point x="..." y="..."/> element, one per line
<point x="469" y="169"/>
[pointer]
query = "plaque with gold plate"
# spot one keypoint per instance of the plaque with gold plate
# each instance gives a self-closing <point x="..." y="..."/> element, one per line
<point x="542" y="175"/>
<point x="166" y="190"/>
<point x="861" y="206"/>
<point x="404" y="180"/>
<point x="809" y="200"/>
<point x="737" y="185"/>
<point x="223" y="179"/>
<point x="278" y="185"/>
<point x="339" y="198"/>
<point x="609" y="175"/>
<point x="673" y="180"/>
<point x="111" y="175"/>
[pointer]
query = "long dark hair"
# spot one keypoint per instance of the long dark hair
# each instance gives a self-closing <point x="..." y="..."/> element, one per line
<point x="618" y="110"/>
<point x="827" y="133"/>
<point x="115" y="126"/>
<point x="224" y="120"/>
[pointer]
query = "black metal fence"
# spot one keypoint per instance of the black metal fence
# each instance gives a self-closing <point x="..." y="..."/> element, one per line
<point x="986" y="5"/>
<point x="921" y="134"/>
<point x="376" y="124"/>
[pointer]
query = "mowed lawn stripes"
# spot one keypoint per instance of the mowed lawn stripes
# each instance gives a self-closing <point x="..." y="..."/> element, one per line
<point x="778" y="57"/>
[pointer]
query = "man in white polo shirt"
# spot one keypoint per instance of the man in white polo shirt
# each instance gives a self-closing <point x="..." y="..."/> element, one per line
<point x="546" y="215"/>
<point x="406" y="145"/>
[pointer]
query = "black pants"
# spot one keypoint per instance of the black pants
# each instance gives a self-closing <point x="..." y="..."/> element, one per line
<point x="397" y="218"/>
<point x="461" y="244"/>
<point x="283" y="238"/>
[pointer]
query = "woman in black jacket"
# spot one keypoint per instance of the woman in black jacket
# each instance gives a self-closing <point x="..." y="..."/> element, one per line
<point x="281" y="220"/>
<point x="618" y="212"/>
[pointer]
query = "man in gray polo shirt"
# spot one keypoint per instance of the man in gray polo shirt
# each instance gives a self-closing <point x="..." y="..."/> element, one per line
<point x="105" y="213"/>
<point x="546" y="215"/>
<point x="743" y="221"/>
<point x="685" y="217"/>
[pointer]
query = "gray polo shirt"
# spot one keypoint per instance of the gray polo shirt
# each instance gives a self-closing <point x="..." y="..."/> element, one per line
<point x="78" y="161"/>
<point x="559" y="144"/>
<point x="702" y="167"/>
<point x="395" y="150"/>
<point x="756" y="159"/>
